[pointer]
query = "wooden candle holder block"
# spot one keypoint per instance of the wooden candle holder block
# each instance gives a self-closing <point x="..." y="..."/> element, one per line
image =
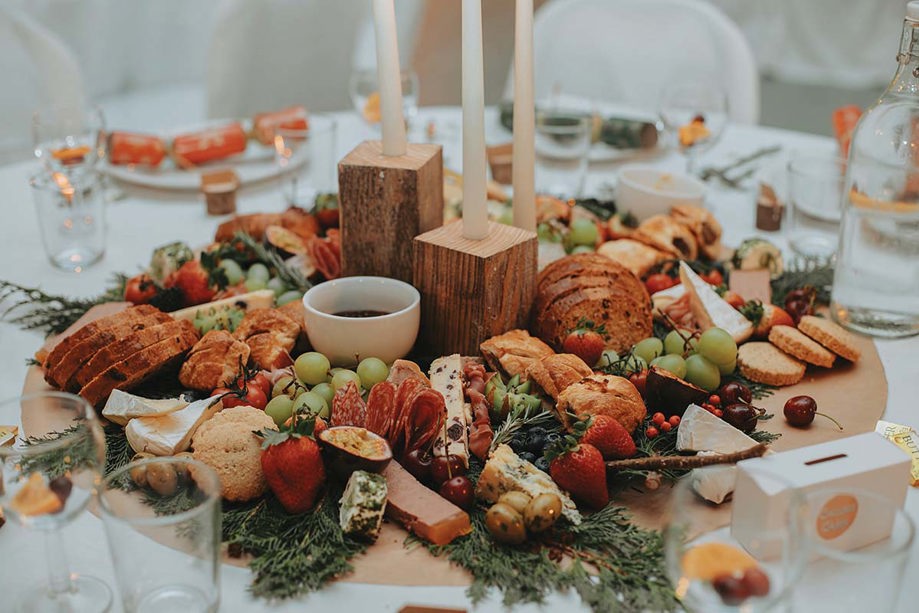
<point x="385" y="202"/>
<point x="472" y="290"/>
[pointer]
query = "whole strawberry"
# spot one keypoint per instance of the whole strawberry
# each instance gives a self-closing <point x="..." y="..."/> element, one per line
<point x="610" y="437"/>
<point x="194" y="282"/>
<point x="292" y="465"/>
<point x="578" y="468"/>
<point x="586" y="342"/>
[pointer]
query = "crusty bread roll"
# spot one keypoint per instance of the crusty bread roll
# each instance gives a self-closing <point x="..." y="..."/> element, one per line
<point x="704" y="227"/>
<point x="667" y="234"/>
<point x="600" y="394"/>
<point x="634" y="255"/>
<point x="556" y="372"/>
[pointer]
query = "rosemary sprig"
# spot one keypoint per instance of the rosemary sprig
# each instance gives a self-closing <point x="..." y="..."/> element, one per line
<point x="615" y="566"/>
<point x="520" y="417"/>
<point x="291" y="277"/>
<point x="293" y="554"/>
<point x="36" y="309"/>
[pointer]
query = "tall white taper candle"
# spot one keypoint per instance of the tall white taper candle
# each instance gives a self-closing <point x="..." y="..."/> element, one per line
<point x="475" y="213"/>
<point x="524" y="159"/>
<point x="389" y="77"/>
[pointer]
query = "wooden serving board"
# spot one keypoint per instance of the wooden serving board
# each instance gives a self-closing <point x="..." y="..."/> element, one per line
<point x="855" y="394"/>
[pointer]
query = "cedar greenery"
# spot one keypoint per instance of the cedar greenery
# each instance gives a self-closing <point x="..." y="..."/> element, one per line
<point x="803" y="272"/>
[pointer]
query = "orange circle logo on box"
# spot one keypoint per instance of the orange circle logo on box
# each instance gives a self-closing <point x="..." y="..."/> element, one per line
<point x="836" y="516"/>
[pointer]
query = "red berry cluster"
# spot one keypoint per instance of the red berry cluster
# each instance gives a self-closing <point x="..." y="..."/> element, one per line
<point x="713" y="405"/>
<point x="661" y="424"/>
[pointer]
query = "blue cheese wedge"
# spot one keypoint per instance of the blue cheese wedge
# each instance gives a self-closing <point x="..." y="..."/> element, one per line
<point x="170" y="434"/>
<point x="505" y="471"/>
<point x="447" y="378"/>
<point x="710" y="310"/>
<point x="701" y="431"/>
<point x="122" y="407"/>
<point x="363" y="504"/>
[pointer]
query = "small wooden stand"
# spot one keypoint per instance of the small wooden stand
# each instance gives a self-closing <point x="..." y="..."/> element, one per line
<point x="472" y="290"/>
<point x="385" y="202"/>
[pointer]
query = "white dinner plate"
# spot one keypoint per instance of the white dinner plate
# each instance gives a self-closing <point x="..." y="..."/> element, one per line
<point x="255" y="164"/>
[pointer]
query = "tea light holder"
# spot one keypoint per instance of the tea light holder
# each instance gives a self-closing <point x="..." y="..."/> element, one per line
<point x="385" y="202"/>
<point x="219" y="188"/>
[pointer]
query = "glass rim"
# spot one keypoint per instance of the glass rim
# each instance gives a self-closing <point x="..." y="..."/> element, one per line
<point x="52" y="445"/>
<point x="858" y="556"/>
<point x="213" y="497"/>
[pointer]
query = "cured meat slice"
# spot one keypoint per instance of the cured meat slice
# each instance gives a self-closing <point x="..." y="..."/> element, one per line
<point x="396" y="427"/>
<point x="348" y="408"/>
<point x="381" y="405"/>
<point x="480" y="432"/>
<point x="406" y="369"/>
<point x="474" y="376"/>
<point x="426" y="415"/>
<point x="326" y="256"/>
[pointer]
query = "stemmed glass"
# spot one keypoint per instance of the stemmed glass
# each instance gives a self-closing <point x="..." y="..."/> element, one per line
<point x="695" y="113"/>
<point x="712" y="571"/>
<point x="49" y="476"/>
<point x="364" y="89"/>
<point x="69" y="138"/>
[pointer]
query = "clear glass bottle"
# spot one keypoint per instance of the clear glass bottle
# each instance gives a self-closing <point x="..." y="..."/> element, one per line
<point x="876" y="285"/>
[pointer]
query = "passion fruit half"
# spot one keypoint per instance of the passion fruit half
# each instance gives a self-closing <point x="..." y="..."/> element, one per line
<point x="350" y="448"/>
<point x="286" y="242"/>
<point x="667" y="393"/>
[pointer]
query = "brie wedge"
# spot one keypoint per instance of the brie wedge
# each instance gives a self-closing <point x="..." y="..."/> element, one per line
<point x="170" y="434"/>
<point x="121" y="407"/>
<point x="447" y="378"/>
<point x="710" y="311"/>
<point x="714" y="483"/>
<point x="701" y="431"/>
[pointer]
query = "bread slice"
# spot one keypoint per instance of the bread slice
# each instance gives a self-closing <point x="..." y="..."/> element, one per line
<point x="141" y="365"/>
<point x="570" y="265"/>
<point x="797" y="344"/>
<point x="831" y="335"/>
<point x="625" y="317"/>
<point x="566" y="286"/>
<point x="121" y="349"/>
<point x="766" y="363"/>
<point x="77" y="349"/>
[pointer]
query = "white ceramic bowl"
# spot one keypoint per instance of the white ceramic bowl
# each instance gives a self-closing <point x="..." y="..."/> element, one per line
<point x="646" y="191"/>
<point x="347" y="340"/>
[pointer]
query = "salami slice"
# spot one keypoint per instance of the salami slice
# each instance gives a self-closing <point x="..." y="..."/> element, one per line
<point x="325" y="257"/>
<point x="381" y="404"/>
<point x="480" y="432"/>
<point x="426" y="418"/>
<point x="348" y="408"/>
<point x="406" y="392"/>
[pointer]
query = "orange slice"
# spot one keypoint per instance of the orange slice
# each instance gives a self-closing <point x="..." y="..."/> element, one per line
<point x="35" y="498"/>
<point x="693" y="132"/>
<point x="372" y="108"/>
<point x="710" y="560"/>
<point x="70" y="154"/>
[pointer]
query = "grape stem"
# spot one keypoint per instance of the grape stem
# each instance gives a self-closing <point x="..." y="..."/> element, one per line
<point x="838" y="425"/>
<point x="669" y="321"/>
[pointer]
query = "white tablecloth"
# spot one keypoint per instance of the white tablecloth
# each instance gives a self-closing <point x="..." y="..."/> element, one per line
<point x="147" y="219"/>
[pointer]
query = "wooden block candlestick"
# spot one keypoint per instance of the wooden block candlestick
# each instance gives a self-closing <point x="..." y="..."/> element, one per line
<point x="472" y="290"/>
<point x="385" y="202"/>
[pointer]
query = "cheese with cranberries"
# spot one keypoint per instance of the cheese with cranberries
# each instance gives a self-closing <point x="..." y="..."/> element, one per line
<point x="447" y="378"/>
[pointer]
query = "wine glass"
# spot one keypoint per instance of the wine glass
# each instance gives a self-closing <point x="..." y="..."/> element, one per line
<point x="364" y="88"/>
<point x="68" y="138"/>
<point x="307" y="159"/>
<point x="712" y="571"/>
<point x="695" y="113"/>
<point x="49" y="476"/>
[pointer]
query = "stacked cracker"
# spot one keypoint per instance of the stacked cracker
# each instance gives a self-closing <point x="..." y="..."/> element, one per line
<point x="783" y="360"/>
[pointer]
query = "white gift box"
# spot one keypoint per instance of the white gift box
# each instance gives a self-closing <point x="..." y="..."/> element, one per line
<point x="863" y="462"/>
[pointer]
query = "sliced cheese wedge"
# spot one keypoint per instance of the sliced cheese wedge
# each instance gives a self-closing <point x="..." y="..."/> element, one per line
<point x="122" y="407"/>
<point x="714" y="483"/>
<point x="710" y="310"/>
<point x="170" y="434"/>
<point x="447" y="378"/>
<point x="701" y="431"/>
<point x="259" y="299"/>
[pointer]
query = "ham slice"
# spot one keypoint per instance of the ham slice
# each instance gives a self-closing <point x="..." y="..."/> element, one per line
<point x="422" y="511"/>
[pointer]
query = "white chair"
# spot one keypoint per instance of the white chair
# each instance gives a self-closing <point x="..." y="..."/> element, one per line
<point x="625" y="51"/>
<point x="266" y="54"/>
<point x="36" y="70"/>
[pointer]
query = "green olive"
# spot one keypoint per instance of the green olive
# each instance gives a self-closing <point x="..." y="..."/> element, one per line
<point x="542" y="512"/>
<point x="162" y="478"/>
<point x="138" y="474"/>
<point x="515" y="500"/>
<point x="505" y="524"/>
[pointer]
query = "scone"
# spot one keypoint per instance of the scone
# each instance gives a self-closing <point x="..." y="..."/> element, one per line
<point x="799" y="345"/>
<point x="766" y="363"/>
<point x="637" y="257"/>
<point x="600" y="394"/>
<point x="832" y="336"/>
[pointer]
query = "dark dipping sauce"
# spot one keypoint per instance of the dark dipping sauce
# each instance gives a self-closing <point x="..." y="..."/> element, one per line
<point x="360" y="313"/>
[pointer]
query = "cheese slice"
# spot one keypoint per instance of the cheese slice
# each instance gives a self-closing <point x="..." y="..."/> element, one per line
<point x="505" y="471"/>
<point x="121" y="407"/>
<point x="714" y="483"/>
<point x="259" y="299"/>
<point x="363" y="504"/>
<point x="170" y="434"/>
<point x="447" y="378"/>
<point x="701" y="431"/>
<point x="710" y="310"/>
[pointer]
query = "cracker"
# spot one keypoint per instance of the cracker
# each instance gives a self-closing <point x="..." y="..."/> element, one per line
<point x="832" y="336"/>
<point x="765" y="363"/>
<point x="799" y="345"/>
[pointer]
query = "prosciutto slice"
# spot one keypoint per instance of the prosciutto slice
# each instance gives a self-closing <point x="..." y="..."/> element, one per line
<point x="348" y="408"/>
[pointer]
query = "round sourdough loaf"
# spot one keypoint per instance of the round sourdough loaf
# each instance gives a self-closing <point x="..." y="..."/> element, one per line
<point x="590" y="287"/>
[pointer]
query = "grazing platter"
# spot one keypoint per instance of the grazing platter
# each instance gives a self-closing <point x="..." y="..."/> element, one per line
<point x="641" y="361"/>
